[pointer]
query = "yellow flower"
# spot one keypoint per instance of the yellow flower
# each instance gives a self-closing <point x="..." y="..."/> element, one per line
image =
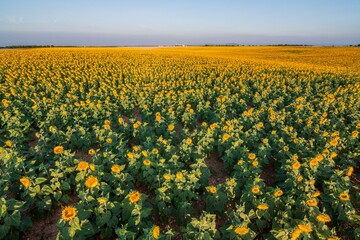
<point x="255" y="190"/>
<point x="147" y="162"/>
<point x="240" y="162"/>
<point x="225" y="137"/>
<point x="109" y="140"/>
<point x="334" y="142"/>
<point x="314" y="162"/>
<point x="350" y="171"/>
<point x="92" y="167"/>
<point x="296" y="234"/>
<point x="115" y="168"/>
<point x="134" y="197"/>
<point x="300" y="178"/>
<point x="286" y="148"/>
<point x="25" y="181"/>
<point x="323" y="218"/>
<point x="91" y="152"/>
<point x="241" y="230"/>
<point x="255" y="163"/>
<point x="82" y="165"/>
<point x="319" y="157"/>
<point x="211" y="189"/>
<point x="68" y="213"/>
<point x="355" y="134"/>
<point x="312" y="202"/>
<point x="296" y="165"/>
<point x="262" y="206"/>
<point x="156" y="232"/>
<point x="58" y="149"/>
<point x="171" y="127"/>
<point x="101" y="200"/>
<point x="344" y="196"/>
<point x="107" y="122"/>
<point x="316" y="194"/>
<point x="252" y="156"/>
<point x="179" y="175"/>
<point x="107" y="127"/>
<point x="278" y="193"/>
<point x="155" y="151"/>
<point x="305" y="228"/>
<point x="188" y="141"/>
<point x="333" y="155"/>
<point x="130" y="156"/>
<point x="91" y="182"/>
<point x="167" y="176"/>
<point x="136" y="124"/>
<point x="121" y="120"/>
<point x="260" y="124"/>
<point x="8" y="143"/>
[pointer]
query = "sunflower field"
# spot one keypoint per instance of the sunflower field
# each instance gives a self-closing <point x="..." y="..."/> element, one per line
<point x="180" y="143"/>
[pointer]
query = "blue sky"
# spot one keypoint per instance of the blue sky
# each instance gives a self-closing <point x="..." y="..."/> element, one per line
<point x="161" y="22"/>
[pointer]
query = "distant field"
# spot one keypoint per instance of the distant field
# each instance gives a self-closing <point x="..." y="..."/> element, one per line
<point x="180" y="143"/>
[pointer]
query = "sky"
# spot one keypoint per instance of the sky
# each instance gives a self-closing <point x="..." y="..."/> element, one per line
<point x="190" y="22"/>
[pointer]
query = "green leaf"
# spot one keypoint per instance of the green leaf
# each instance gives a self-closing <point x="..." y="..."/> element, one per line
<point x="26" y="223"/>
<point x="83" y="214"/>
<point x="14" y="219"/>
<point x="47" y="190"/>
<point x="40" y="180"/>
<point x="106" y="216"/>
<point x="4" y="229"/>
<point x="65" y="186"/>
<point x="14" y="204"/>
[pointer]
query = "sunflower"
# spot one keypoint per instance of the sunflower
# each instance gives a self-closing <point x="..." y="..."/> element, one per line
<point x="134" y="197"/>
<point x="68" y="213"/>
<point x="91" y="152"/>
<point x="115" y="168"/>
<point x="241" y="230"/>
<point x="91" y="182"/>
<point x="8" y="143"/>
<point x="296" y="165"/>
<point x="350" y="171"/>
<point x="334" y="142"/>
<point x="312" y="202"/>
<point x="188" y="141"/>
<point x="82" y="165"/>
<point x="355" y="134"/>
<point x="211" y="189"/>
<point x="255" y="190"/>
<point x="58" y="149"/>
<point x="296" y="234"/>
<point x="252" y="156"/>
<point x="255" y="163"/>
<point x="278" y="193"/>
<point x="305" y="228"/>
<point x="179" y="175"/>
<point x="314" y="162"/>
<point x="344" y="196"/>
<point x="167" y="176"/>
<point x="225" y="137"/>
<point x="171" y="127"/>
<point x="323" y="217"/>
<point x="262" y="206"/>
<point x="109" y="140"/>
<point x="147" y="162"/>
<point x="25" y="181"/>
<point x="155" y="232"/>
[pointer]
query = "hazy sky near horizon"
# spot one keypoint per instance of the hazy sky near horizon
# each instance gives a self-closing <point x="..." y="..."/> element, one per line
<point x="161" y="22"/>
